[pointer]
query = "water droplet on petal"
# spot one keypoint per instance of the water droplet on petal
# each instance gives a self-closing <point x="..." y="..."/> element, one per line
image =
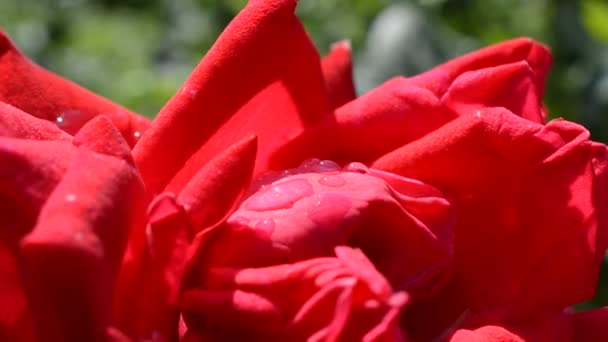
<point x="266" y="226"/>
<point x="137" y="134"/>
<point x="78" y="236"/>
<point x="329" y="208"/>
<point x="71" y="120"/>
<point x="356" y="167"/>
<point x="280" y="195"/>
<point x="332" y="181"/>
<point x="328" y="166"/>
<point x="70" y="198"/>
<point x="239" y="220"/>
<point x="309" y="164"/>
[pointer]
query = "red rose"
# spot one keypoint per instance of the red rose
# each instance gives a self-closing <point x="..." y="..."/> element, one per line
<point x="443" y="207"/>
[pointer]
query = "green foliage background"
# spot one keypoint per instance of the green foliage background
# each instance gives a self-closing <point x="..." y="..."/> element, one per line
<point x="138" y="52"/>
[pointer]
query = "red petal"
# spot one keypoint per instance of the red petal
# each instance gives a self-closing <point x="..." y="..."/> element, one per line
<point x="486" y="334"/>
<point x="45" y="95"/>
<point x="15" y="320"/>
<point x="510" y="86"/>
<point x="215" y="189"/>
<point x="17" y="124"/>
<point x="590" y="326"/>
<point x="338" y="74"/>
<point x="536" y="55"/>
<point x="99" y="135"/>
<point x="145" y="304"/>
<point x="261" y="77"/>
<point x="374" y="124"/>
<point x="518" y="187"/>
<point x="72" y="256"/>
<point x="29" y="173"/>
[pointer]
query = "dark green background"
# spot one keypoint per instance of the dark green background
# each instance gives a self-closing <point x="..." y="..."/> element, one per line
<point x="138" y="52"/>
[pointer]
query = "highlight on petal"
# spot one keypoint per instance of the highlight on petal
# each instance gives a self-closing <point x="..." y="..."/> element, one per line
<point x="330" y="298"/>
<point x="45" y="95"/>
<point x="337" y="69"/>
<point x="76" y="247"/>
<point x="262" y="77"/>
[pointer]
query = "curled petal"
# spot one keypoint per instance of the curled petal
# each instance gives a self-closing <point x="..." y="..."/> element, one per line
<point x="77" y="244"/>
<point x="262" y="77"/>
<point x="45" y="95"/>
<point x="217" y="186"/>
<point x="536" y="55"/>
<point x="364" y="129"/>
<point x="338" y="74"/>
<point x="305" y="214"/>
<point x="145" y="302"/>
<point x="30" y="171"/>
<point x="510" y="86"/>
<point x="15" y="123"/>
<point x="507" y="176"/>
<point x="288" y="302"/>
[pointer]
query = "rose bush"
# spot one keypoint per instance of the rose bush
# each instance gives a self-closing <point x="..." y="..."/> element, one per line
<point x="265" y="202"/>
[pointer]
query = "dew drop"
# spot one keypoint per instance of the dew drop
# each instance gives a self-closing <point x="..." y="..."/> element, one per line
<point x="328" y="166"/>
<point x="309" y="164"/>
<point x="266" y="226"/>
<point x="356" y="167"/>
<point x="137" y="134"/>
<point x="70" y="198"/>
<point x="332" y="181"/>
<point x="329" y="208"/>
<point x="317" y="165"/>
<point x="280" y="195"/>
<point x="239" y="220"/>
<point x="78" y="236"/>
<point x="71" y="120"/>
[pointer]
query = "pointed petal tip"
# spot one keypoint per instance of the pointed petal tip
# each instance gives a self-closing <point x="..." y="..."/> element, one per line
<point x="344" y="44"/>
<point x="101" y="135"/>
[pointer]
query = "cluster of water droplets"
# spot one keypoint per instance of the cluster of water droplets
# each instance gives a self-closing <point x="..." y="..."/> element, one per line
<point x="281" y="190"/>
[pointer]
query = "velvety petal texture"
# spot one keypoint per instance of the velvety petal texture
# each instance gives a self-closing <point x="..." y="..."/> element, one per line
<point x="509" y="75"/>
<point x="45" y="95"/>
<point x="267" y="203"/>
<point x="338" y="74"/>
<point x="68" y="230"/>
<point x="246" y="84"/>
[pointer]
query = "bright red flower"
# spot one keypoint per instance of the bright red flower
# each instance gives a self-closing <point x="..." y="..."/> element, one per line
<point x="443" y="207"/>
